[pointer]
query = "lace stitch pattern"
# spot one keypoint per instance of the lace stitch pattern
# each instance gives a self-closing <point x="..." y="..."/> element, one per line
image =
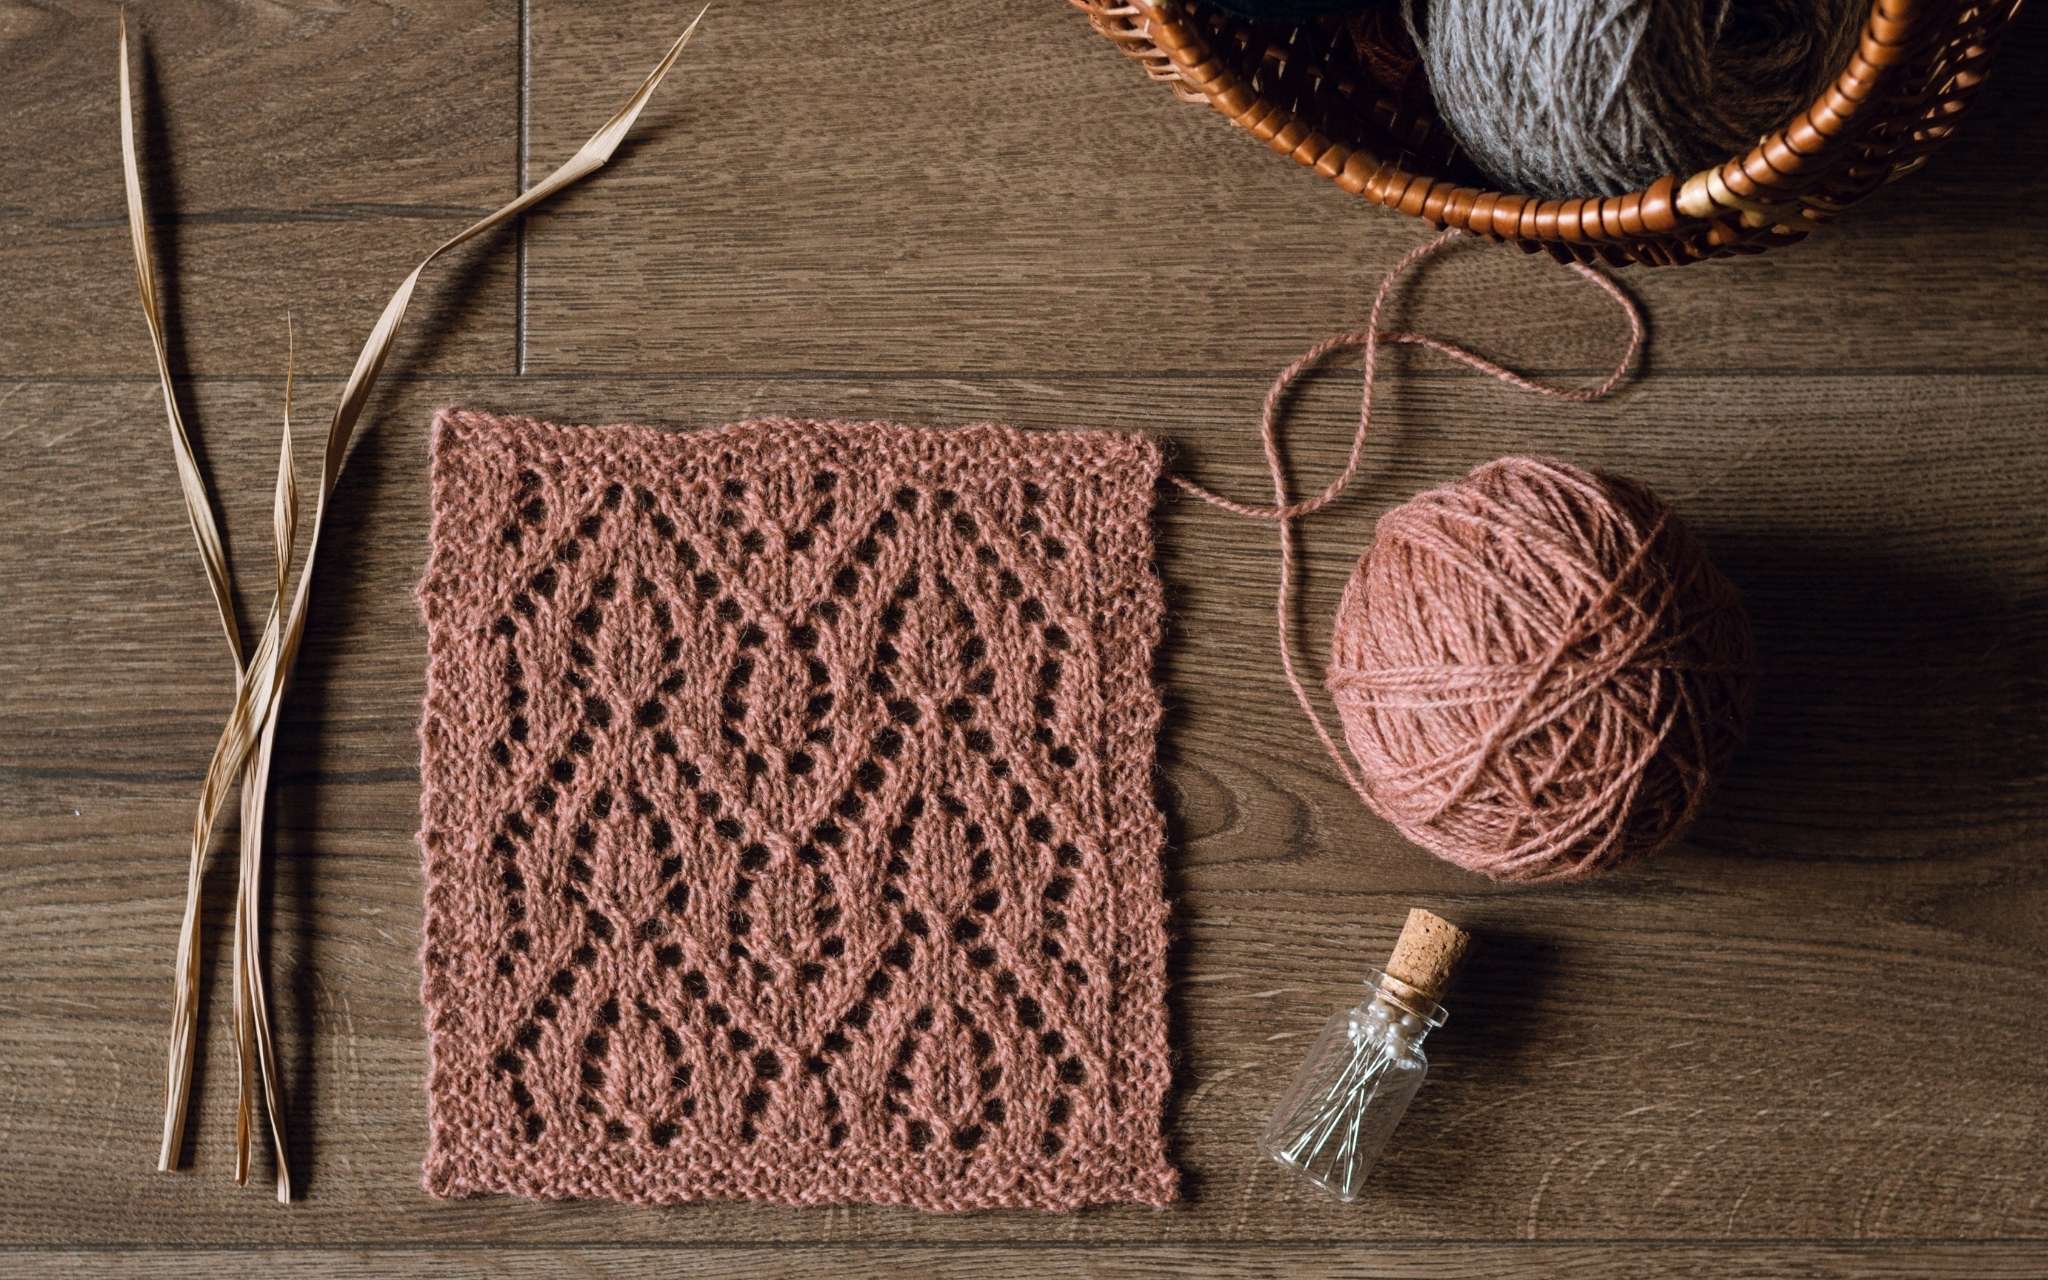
<point x="788" y="815"/>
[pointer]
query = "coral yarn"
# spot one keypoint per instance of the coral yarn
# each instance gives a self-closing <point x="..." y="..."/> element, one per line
<point x="1538" y="671"/>
<point x="788" y="815"/>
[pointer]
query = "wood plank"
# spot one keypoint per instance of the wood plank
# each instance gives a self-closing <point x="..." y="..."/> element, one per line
<point x="1819" y="1020"/>
<point x="894" y="187"/>
<point x="294" y="159"/>
<point x="1437" y="1261"/>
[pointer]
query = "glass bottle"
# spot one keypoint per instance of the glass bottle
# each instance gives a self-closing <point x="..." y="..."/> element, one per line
<point x="1367" y="1064"/>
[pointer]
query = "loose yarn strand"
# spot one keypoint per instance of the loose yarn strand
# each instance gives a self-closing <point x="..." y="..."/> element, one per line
<point x="1369" y="340"/>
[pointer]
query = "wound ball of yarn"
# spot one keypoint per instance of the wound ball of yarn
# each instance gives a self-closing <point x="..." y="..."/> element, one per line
<point x="1565" y="98"/>
<point x="1539" y="671"/>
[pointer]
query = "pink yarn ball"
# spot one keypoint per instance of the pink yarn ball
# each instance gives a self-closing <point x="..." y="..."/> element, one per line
<point x="1539" y="671"/>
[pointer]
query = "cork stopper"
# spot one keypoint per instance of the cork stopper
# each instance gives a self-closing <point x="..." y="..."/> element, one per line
<point x="1428" y="952"/>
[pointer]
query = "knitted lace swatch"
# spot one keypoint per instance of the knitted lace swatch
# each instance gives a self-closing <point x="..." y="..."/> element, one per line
<point x="788" y="815"/>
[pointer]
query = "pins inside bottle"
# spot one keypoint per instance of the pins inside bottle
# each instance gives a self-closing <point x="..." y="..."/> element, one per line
<point x="1367" y="1064"/>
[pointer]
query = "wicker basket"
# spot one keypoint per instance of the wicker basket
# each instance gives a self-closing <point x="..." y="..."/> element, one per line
<point x="1362" y="119"/>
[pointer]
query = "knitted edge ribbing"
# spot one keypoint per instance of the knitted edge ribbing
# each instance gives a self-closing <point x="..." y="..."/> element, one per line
<point x="487" y="1050"/>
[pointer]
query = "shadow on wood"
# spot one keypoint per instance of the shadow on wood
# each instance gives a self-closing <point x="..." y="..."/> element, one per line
<point x="1885" y="692"/>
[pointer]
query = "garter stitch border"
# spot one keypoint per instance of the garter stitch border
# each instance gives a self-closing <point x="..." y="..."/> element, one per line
<point x="788" y="815"/>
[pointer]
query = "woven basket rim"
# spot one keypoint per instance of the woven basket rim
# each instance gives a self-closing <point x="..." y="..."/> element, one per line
<point x="1859" y="132"/>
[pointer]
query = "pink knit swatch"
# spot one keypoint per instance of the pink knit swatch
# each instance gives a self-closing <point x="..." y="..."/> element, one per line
<point x="788" y="815"/>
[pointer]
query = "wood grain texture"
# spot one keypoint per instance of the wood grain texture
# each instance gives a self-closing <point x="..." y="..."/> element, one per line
<point x="294" y="157"/>
<point x="1422" y="1261"/>
<point x="970" y="189"/>
<point x="1807" y="1042"/>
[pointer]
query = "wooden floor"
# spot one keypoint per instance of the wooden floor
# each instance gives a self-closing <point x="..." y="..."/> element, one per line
<point x="1808" y="1042"/>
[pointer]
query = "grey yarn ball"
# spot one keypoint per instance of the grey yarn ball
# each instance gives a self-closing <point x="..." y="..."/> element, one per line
<point x="1562" y="98"/>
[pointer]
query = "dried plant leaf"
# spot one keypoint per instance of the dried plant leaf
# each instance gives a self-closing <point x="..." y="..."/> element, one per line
<point x="255" y="1055"/>
<point x="284" y="502"/>
<point x="199" y="513"/>
<point x="198" y="503"/>
<point x="255" y="1052"/>
<point x="243" y="751"/>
